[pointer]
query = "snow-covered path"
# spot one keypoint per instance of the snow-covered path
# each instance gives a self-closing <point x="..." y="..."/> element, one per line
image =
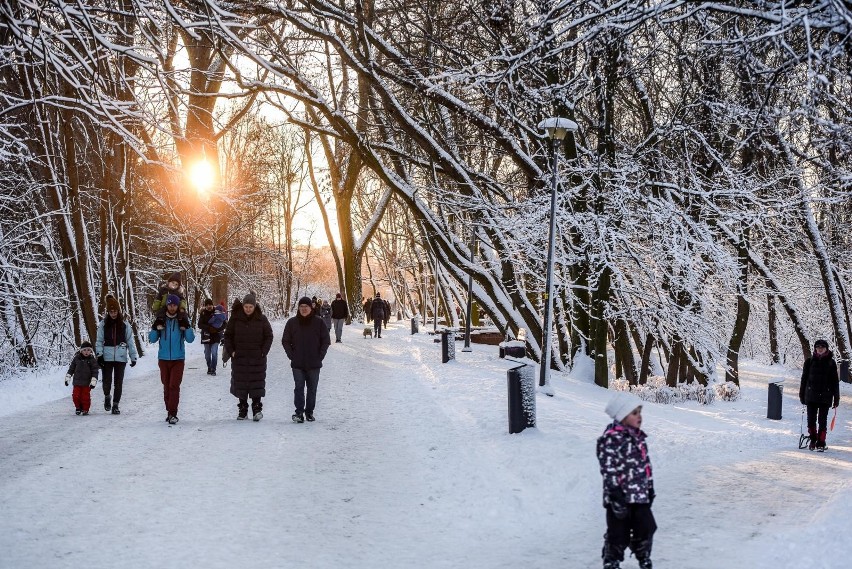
<point x="408" y="465"/>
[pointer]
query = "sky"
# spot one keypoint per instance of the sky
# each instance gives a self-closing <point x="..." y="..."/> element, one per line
<point x="409" y="465"/>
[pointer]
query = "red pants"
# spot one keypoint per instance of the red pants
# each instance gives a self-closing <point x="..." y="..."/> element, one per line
<point x="171" y="374"/>
<point x="82" y="397"/>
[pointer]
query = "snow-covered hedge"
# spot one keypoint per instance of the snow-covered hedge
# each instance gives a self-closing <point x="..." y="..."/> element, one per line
<point x="656" y="391"/>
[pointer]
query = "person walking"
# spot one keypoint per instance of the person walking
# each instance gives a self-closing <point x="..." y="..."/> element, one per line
<point x="306" y="341"/>
<point x="377" y="312"/>
<point x="339" y="315"/>
<point x="172" y="334"/>
<point x="114" y="346"/>
<point x="628" y="484"/>
<point x="248" y="338"/>
<point x="211" y="323"/>
<point x="83" y="375"/>
<point x="325" y="314"/>
<point x="819" y="390"/>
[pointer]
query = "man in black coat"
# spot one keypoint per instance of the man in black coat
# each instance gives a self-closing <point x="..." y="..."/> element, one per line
<point x="377" y="311"/>
<point x="819" y="390"/>
<point x="339" y="314"/>
<point x="306" y="342"/>
<point x="248" y="338"/>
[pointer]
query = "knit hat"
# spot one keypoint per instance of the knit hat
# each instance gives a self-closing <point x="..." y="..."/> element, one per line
<point x="250" y="298"/>
<point x="339" y="295"/>
<point x="112" y="304"/>
<point x="173" y="299"/>
<point x="378" y="295"/>
<point x="175" y="277"/>
<point x="304" y="300"/>
<point x="621" y="405"/>
<point x="822" y="343"/>
<point x="85" y="344"/>
<point x="208" y="302"/>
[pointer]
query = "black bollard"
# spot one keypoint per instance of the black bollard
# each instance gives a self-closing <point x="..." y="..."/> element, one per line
<point x="448" y="346"/>
<point x="773" y="410"/>
<point x="521" y="384"/>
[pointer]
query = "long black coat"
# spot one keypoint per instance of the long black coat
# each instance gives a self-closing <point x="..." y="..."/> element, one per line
<point x="820" y="384"/>
<point x="249" y="337"/>
<point x="306" y="341"/>
<point x="377" y="309"/>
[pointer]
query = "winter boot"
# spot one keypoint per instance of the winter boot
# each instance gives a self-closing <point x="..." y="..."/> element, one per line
<point x="645" y="563"/>
<point x="820" y="444"/>
<point x="107" y="403"/>
<point x="298" y="417"/>
<point x="243" y="410"/>
<point x="309" y="417"/>
<point x="173" y="420"/>
<point x="256" y="410"/>
<point x="812" y="438"/>
<point x="611" y="565"/>
<point x="115" y="410"/>
<point x="78" y="411"/>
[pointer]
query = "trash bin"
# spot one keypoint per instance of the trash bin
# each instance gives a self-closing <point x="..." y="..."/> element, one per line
<point x="773" y="409"/>
<point x="521" y="384"/>
<point x="448" y="346"/>
<point x="415" y="326"/>
<point x="844" y="371"/>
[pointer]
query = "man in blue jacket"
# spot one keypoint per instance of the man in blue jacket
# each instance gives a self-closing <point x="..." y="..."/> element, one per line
<point x="171" y="355"/>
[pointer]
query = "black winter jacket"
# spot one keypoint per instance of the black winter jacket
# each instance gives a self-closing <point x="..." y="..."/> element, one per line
<point x="250" y="338"/>
<point x="377" y="309"/>
<point x="820" y="384"/>
<point x="83" y="369"/>
<point x="339" y="309"/>
<point x="306" y="341"/>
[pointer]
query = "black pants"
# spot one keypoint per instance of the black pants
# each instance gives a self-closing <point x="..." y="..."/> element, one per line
<point x="814" y="410"/>
<point x="636" y="530"/>
<point x="302" y="378"/>
<point x="256" y="404"/>
<point x="377" y="327"/>
<point x="113" y="370"/>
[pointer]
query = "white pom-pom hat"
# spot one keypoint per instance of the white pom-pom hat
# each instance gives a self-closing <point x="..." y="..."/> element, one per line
<point x="621" y="405"/>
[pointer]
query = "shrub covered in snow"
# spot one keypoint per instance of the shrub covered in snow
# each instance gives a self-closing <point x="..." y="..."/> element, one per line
<point x="656" y="391"/>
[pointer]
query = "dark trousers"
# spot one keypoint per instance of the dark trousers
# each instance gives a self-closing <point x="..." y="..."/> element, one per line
<point x="302" y="378"/>
<point x="636" y="530"/>
<point x="256" y="404"/>
<point x="171" y="375"/>
<point x="82" y="397"/>
<point x="113" y="371"/>
<point x="377" y="327"/>
<point x="815" y="410"/>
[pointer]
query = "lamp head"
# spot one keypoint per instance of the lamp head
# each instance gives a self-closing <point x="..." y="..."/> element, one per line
<point x="557" y="128"/>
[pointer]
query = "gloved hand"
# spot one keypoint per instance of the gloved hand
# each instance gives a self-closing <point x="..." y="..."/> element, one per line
<point x="93" y="383"/>
<point x="101" y="361"/>
<point x="651" y="496"/>
<point x="802" y="400"/>
<point x="68" y="378"/>
<point x="617" y="503"/>
<point x="132" y="363"/>
<point x="836" y="402"/>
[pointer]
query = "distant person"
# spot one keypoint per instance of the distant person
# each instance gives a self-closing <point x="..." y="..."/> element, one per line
<point x="339" y="315"/>
<point x="114" y="346"/>
<point x="306" y="341"/>
<point x="377" y="312"/>
<point x="248" y="338"/>
<point x="628" y="485"/>
<point x="387" y="312"/>
<point x="325" y="313"/>
<point x="211" y="324"/>
<point x="368" y="308"/>
<point x="172" y="333"/>
<point x="819" y="390"/>
<point x="83" y="373"/>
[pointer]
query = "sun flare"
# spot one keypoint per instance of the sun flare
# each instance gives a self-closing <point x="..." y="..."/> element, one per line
<point x="201" y="176"/>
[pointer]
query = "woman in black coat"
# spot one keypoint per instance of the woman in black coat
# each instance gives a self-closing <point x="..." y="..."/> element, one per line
<point x="819" y="390"/>
<point x="248" y="338"/>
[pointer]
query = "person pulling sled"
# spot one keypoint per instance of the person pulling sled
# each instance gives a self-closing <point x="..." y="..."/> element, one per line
<point x="819" y="390"/>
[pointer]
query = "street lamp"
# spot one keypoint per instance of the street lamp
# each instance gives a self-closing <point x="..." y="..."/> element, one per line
<point x="556" y="129"/>
<point x="469" y="311"/>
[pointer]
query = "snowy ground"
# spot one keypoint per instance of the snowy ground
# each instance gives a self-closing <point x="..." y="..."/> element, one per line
<point x="409" y="465"/>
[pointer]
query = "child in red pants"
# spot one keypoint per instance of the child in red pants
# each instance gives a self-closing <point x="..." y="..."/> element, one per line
<point x="83" y="372"/>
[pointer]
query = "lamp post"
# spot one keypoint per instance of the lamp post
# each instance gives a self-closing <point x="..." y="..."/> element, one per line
<point x="556" y="129"/>
<point x="469" y="312"/>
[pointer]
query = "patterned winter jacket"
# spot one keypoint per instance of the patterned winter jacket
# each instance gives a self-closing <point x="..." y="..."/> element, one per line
<point x="623" y="456"/>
